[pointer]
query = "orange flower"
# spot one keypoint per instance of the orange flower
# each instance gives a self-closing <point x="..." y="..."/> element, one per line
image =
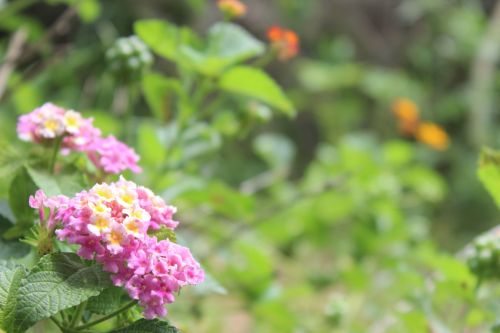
<point x="407" y="114"/>
<point x="286" y="42"/>
<point x="433" y="135"/>
<point x="232" y="8"/>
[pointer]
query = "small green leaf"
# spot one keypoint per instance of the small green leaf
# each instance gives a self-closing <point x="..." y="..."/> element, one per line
<point x="59" y="281"/>
<point x="489" y="172"/>
<point x="148" y="326"/>
<point x="257" y="84"/>
<point x="21" y="188"/>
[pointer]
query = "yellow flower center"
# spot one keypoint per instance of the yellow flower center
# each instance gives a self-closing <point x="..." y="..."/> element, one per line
<point x="115" y="237"/>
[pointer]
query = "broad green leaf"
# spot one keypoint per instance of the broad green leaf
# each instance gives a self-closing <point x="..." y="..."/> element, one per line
<point x="148" y="326"/>
<point x="106" y="302"/>
<point x="56" y="185"/>
<point x="159" y="92"/>
<point x="228" y="44"/>
<point x="21" y="188"/>
<point x="489" y="172"/>
<point x="11" y="276"/>
<point x="59" y="281"/>
<point x="255" y="83"/>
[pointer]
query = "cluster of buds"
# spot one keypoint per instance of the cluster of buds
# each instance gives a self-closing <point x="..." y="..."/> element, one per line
<point x="484" y="255"/>
<point x="112" y="224"/>
<point x="284" y="42"/>
<point x="407" y="115"/>
<point x="232" y="8"/>
<point x="50" y="122"/>
<point x="128" y="57"/>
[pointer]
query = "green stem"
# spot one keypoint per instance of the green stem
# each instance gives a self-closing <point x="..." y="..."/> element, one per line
<point x="77" y="315"/>
<point x="55" y="151"/>
<point x="109" y="316"/>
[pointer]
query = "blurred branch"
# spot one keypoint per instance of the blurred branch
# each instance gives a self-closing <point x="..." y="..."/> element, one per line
<point x="14" y="51"/>
<point x="482" y="82"/>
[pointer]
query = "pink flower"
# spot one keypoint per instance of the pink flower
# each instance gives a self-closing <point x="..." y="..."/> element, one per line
<point x="111" y="222"/>
<point x="49" y="122"/>
<point x="113" y="156"/>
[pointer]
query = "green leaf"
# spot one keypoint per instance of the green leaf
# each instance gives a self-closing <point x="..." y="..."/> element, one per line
<point x="160" y="36"/>
<point x="148" y="326"/>
<point x="8" y="273"/>
<point x="56" y="185"/>
<point x="489" y="172"/>
<point x="159" y="92"/>
<point x="152" y="152"/>
<point x="257" y="84"/>
<point x="228" y="44"/>
<point x="106" y="302"/>
<point x="164" y="233"/>
<point x="21" y="188"/>
<point x="59" y="281"/>
<point x="11" y="276"/>
<point x="164" y="38"/>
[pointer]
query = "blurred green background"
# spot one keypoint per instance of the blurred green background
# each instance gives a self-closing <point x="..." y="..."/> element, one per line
<point x="329" y="221"/>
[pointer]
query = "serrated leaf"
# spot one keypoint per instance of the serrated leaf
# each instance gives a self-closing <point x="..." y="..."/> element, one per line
<point x="11" y="276"/>
<point x="55" y="185"/>
<point x="148" y="326"/>
<point x="59" y="281"/>
<point x="8" y="273"/>
<point x="106" y="302"/>
<point x="257" y="84"/>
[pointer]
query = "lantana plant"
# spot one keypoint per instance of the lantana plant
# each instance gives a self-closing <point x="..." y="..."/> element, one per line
<point x="104" y="252"/>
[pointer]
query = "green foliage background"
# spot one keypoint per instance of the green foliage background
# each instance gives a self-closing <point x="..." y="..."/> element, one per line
<point x="303" y="203"/>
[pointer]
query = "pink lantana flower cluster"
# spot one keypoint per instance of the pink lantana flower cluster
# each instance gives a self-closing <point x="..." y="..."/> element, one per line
<point x="50" y="122"/>
<point x="111" y="222"/>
